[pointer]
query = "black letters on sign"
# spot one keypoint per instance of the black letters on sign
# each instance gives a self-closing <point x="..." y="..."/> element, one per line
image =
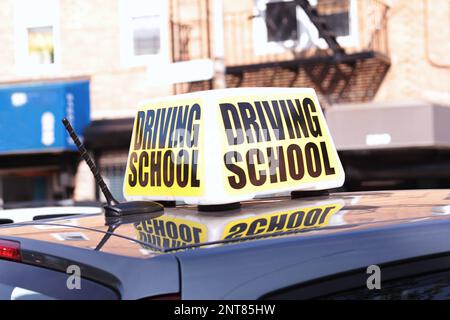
<point x="305" y="156"/>
<point x="167" y="140"/>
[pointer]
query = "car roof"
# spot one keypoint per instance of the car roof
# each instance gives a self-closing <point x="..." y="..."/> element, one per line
<point x="184" y="227"/>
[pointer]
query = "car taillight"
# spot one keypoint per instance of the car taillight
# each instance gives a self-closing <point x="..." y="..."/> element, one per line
<point x="171" y="296"/>
<point x="10" y="250"/>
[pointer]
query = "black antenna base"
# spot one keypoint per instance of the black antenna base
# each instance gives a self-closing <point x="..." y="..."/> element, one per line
<point x="113" y="209"/>
<point x="132" y="208"/>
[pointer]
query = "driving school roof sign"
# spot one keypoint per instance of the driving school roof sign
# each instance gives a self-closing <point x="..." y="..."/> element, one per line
<point x="229" y="145"/>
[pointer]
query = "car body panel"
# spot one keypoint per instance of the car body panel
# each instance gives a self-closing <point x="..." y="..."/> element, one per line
<point x="254" y="270"/>
<point x="132" y="278"/>
<point x="347" y="231"/>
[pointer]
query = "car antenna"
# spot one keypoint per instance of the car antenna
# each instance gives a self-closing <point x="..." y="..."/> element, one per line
<point x="113" y="208"/>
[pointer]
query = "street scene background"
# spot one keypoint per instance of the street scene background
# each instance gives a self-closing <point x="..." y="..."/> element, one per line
<point x="381" y="69"/>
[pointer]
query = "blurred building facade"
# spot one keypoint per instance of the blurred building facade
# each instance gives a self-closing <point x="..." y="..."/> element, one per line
<point x="350" y="51"/>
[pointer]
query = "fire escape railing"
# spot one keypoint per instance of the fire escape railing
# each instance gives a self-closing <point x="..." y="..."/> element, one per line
<point x="190" y="33"/>
<point x="324" y="29"/>
<point x="345" y="68"/>
<point x="240" y="36"/>
<point x="191" y="37"/>
<point x="190" y="30"/>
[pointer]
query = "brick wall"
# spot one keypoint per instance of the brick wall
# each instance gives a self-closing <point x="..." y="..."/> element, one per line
<point x="420" y="65"/>
<point x="90" y="48"/>
<point x="419" y="39"/>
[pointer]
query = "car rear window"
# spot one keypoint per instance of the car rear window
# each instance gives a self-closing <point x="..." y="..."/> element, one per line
<point x="8" y="292"/>
<point x="24" y="282"/>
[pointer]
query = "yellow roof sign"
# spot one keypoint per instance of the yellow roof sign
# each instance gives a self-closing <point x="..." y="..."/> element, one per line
<point x="229" y="145"/>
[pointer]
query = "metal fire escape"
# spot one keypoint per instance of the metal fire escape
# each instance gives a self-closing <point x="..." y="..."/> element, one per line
<point x="190" y="33"/>
<point x="337" y="73"/>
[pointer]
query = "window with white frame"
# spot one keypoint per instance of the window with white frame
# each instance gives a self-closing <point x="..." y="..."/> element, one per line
<point x="282" y="24"/>
<point x="146" y="35"/>
<point x="144" y="30"/>
<point x="36" y="24"/>
<point x="41" y="46"/>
